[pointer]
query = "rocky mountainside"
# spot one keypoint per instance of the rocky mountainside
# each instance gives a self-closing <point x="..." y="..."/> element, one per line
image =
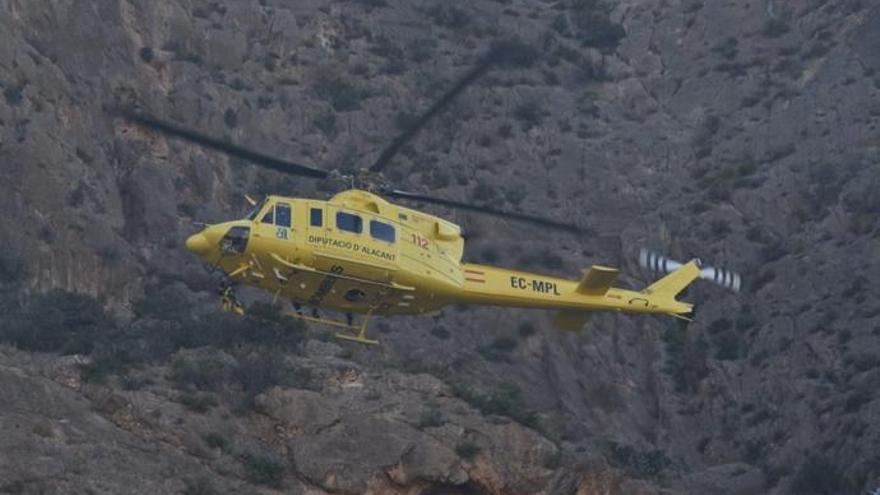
<point x="744" y="133"/>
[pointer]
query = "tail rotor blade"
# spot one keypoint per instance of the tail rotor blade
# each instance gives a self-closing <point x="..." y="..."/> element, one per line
<point x="657" y="263"/>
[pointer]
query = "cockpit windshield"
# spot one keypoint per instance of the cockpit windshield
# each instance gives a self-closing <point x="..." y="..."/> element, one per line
<point x="235" y="241"/>
<point x="253" y="214"/>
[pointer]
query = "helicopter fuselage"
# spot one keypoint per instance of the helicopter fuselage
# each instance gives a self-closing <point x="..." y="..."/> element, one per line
<point x="358" y="253"/>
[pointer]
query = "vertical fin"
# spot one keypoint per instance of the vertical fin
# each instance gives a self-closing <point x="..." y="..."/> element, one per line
<point x="672" y="284"/>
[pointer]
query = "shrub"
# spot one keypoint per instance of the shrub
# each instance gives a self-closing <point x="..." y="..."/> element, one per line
<point x="440" y="333"/>
<point x="431" y="418"/>
<point x="448" y="16"/>
<point x="259" y="371"/>
<point x="526" y="329"/>
<point x="685" y="360"/>
<point x="730" y="346"/>
<point x="57" y="322"/>
<point x="12" y="269"/>
<point x="326" y="123"/>
<point x="498" y="350"/>
<point x="818" y="476"/>
<point x="638" y="463"/>
<point x="199" y="486"/>
<point x="342" y="95"/>
<point x="263" y="470"/>
<point x="199" y="402"/>
<point x="529" y="113"/>
<point x="727" y="48"/>
<point x="216" y="441"/>
<point x="467" y="450"/>
<point x="504" y="401"/>
<point x="205" y="373"/>
<point x="594" y="28"/>
<point x="106" y="363"/>
<point x="775" y="28"/>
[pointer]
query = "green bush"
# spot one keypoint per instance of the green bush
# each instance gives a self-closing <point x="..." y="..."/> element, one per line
<point x="503" y="401"/>
<point x="58" y="321"/>
<point x="638" y="463"/>
<point x="105" y="363"/>
<point x="449" y="16"/>
<point x="199" y="486"/>
<point x="529" y="113"/>
<point x="431" y="418"/>
<point x="342" y="95"/>
<point x="263" y="469"/>
<point x="12" y="269"/>
<point x="216" y="441"/>
<point x="775" y="28"/>
<point x="199" y="402"/>
<point x="256" y="372"/>
<point x="326" y="123"/>
<point x="467" y="450"/>
<point x="526" y="329"/>
<point x="499" y="349"/>
<point x="592" y="25"/>
<point x="206" y="373"/>
<point x="819" y="476"/>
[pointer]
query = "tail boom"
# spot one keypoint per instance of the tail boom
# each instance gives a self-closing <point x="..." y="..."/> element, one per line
<point x="488" y="285"/>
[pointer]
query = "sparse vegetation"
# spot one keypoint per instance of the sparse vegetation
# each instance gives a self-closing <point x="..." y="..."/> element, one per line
<point x="199" y="402"/>
<point x="431" y="417"/>
<point x="449" y="16"/>
<point x="56" y="322"/>
<point x="819" y="476"/>
<point x="530" y="114"/>
<point x="216" y="441"/>
<point x="499" y="349"/>
<point x="775" y="28"/>
<point x="263" y="469"/>
<point x="685" y="359"/>
<point x="105" y="363"/>
<point x="326" y="123"/>
<point x="505" y="400"/>
<point x="342" y="95"/>
<point x="638" y="463"/>
<point x="467" y="450"/>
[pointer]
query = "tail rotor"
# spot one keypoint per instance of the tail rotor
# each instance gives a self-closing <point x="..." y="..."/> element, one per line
<point x="658" y="263"/>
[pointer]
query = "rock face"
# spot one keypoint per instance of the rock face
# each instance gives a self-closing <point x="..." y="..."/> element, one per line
<point x="744" y="133"/>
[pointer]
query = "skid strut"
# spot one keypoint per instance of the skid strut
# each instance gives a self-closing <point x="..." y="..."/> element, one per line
<point x="360" y="331"/>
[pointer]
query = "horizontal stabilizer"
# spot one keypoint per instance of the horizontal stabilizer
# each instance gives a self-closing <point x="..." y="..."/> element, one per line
<point x="596" y="281"/>
<point x="571" y="321"/>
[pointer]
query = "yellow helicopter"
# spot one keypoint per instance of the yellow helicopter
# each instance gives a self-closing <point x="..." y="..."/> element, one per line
<point x="360" y="253"/>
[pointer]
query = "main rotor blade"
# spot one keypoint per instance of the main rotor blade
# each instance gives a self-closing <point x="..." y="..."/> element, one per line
<point x="522" y="217"/>
<point x="223" y="146"/>
<point x="501" y="53"/>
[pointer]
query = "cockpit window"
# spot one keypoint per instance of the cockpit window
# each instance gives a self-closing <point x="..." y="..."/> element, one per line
<point x="256" y="211"/>
<point x="235" y="241"/>
<point x="269" y="217"/>
<point x="282" y="215"/>
<point x="347" y="222"/>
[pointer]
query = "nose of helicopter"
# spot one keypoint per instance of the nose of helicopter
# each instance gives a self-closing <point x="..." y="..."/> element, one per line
<point x="198" y="244"/>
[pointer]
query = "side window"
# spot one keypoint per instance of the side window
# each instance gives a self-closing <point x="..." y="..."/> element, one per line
<point x="349" y="223"/>
<point x="382" y="231"/>
<point x="282" y="215"/>
<point x="317" y="217"/>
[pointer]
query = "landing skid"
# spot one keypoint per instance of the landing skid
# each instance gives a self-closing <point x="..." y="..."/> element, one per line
<point x="360" y="331"/>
